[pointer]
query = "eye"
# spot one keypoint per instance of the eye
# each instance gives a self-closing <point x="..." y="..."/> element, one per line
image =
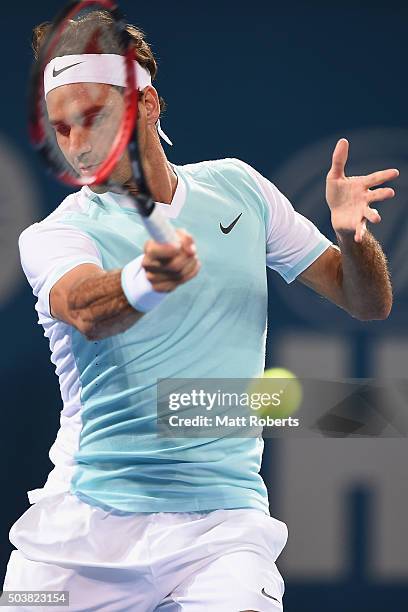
<point x="63" y="129"/>
<point x="93" y="120"/>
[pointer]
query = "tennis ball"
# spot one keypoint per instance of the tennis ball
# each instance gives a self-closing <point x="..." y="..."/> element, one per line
<point x="284" y="391"/>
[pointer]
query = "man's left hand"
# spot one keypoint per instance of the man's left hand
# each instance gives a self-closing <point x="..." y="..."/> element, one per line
<point x="349" y="197"/>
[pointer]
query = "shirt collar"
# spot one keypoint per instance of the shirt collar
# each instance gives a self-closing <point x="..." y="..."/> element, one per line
<point x="111" y="198"/>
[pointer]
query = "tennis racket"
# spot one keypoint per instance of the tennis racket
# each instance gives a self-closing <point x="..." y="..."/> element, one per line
<point x="85" y="85"/>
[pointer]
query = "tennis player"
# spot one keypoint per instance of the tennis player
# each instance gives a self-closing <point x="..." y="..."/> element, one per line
<point x="129" y="521"/>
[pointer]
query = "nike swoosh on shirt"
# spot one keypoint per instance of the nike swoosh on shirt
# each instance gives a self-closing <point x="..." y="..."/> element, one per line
<point x="55" y="73"/>
<point x="270" y="596"/>
<point x="226" y="230"/>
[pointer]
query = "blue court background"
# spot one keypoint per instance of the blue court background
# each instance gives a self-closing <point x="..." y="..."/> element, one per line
<point x="260" y="81"/>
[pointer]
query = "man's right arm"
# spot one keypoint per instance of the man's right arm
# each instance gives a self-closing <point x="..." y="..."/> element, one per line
<point x="93" y="300"/>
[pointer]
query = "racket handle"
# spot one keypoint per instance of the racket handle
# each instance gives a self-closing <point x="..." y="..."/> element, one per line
<point x="160" y="228"/>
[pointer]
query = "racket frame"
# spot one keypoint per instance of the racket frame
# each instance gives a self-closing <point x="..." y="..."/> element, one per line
<point x="127" y="130"/>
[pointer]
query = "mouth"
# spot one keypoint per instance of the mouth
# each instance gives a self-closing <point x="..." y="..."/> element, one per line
<point x="88" y="169"/>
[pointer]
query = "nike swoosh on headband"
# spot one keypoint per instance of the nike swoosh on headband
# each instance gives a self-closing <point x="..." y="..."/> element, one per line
<point x="226" y="230"/>
<point x="55" y="73"/>
<point x="112" y="63"/>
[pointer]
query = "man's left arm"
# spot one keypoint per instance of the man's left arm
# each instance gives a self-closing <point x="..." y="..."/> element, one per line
<point x="353" y="275"/>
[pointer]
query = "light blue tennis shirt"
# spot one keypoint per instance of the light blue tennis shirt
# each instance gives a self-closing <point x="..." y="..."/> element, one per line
<point x="107" y="451"/>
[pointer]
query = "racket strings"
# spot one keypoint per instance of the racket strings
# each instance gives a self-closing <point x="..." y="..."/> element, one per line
<point x="81" y="121"/>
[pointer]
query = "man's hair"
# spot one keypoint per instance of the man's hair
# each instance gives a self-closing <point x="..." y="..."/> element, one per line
<point x="78" y="29"/>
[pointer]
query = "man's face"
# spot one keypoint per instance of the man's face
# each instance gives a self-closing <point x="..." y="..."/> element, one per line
<point x="86" y="118"/>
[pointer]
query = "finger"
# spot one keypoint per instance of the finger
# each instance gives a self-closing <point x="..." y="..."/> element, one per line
<point x="178" y="263"/>
<point x="360" y="231"/>
<point x="164" y="252"/>
<point x="185" y="237"/>
<point x="189" y="248"/>
<point x="160" y="252"/>
<point x="170" y="266"/>
<point x="159" y="277"/>
<point x="372" y="215"/>
<point x="166" y="286"/>
<point x="174" y="265"/>
<point x="339" y="159"/>
<point x="193" y="273"/>
<point x="187" y="242"/>
<point x="189" y="267"/>
<point x="377" y="178"/>
<point x="383" y="193"/>
<point x="175" y="272"/>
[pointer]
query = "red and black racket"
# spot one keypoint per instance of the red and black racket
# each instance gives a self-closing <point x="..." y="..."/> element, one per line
<point x="85" y="127"/>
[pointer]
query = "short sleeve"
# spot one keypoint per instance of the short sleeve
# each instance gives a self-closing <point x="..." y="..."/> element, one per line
<point x="293" y="242"/>
<point x="48" y="251"/>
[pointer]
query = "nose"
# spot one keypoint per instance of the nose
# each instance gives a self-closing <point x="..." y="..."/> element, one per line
<point x="79" y="142"/>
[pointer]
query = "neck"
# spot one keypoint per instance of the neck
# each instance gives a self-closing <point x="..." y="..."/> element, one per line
<point x="160" y="176"/>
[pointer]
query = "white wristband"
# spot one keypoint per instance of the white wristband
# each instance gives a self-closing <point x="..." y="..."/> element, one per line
<point x="137" y="288"/>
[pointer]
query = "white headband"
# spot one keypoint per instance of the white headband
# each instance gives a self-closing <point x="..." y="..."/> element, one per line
<point x="94" y="68"/>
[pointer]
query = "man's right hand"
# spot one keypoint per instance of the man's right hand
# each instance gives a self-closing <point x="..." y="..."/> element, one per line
<point x="167" y="266"/>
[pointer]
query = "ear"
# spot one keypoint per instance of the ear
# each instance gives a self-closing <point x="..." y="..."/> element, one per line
<point x="151" y="104"/>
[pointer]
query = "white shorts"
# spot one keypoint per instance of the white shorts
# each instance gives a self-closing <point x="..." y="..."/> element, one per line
<point x="217" y="561"/>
